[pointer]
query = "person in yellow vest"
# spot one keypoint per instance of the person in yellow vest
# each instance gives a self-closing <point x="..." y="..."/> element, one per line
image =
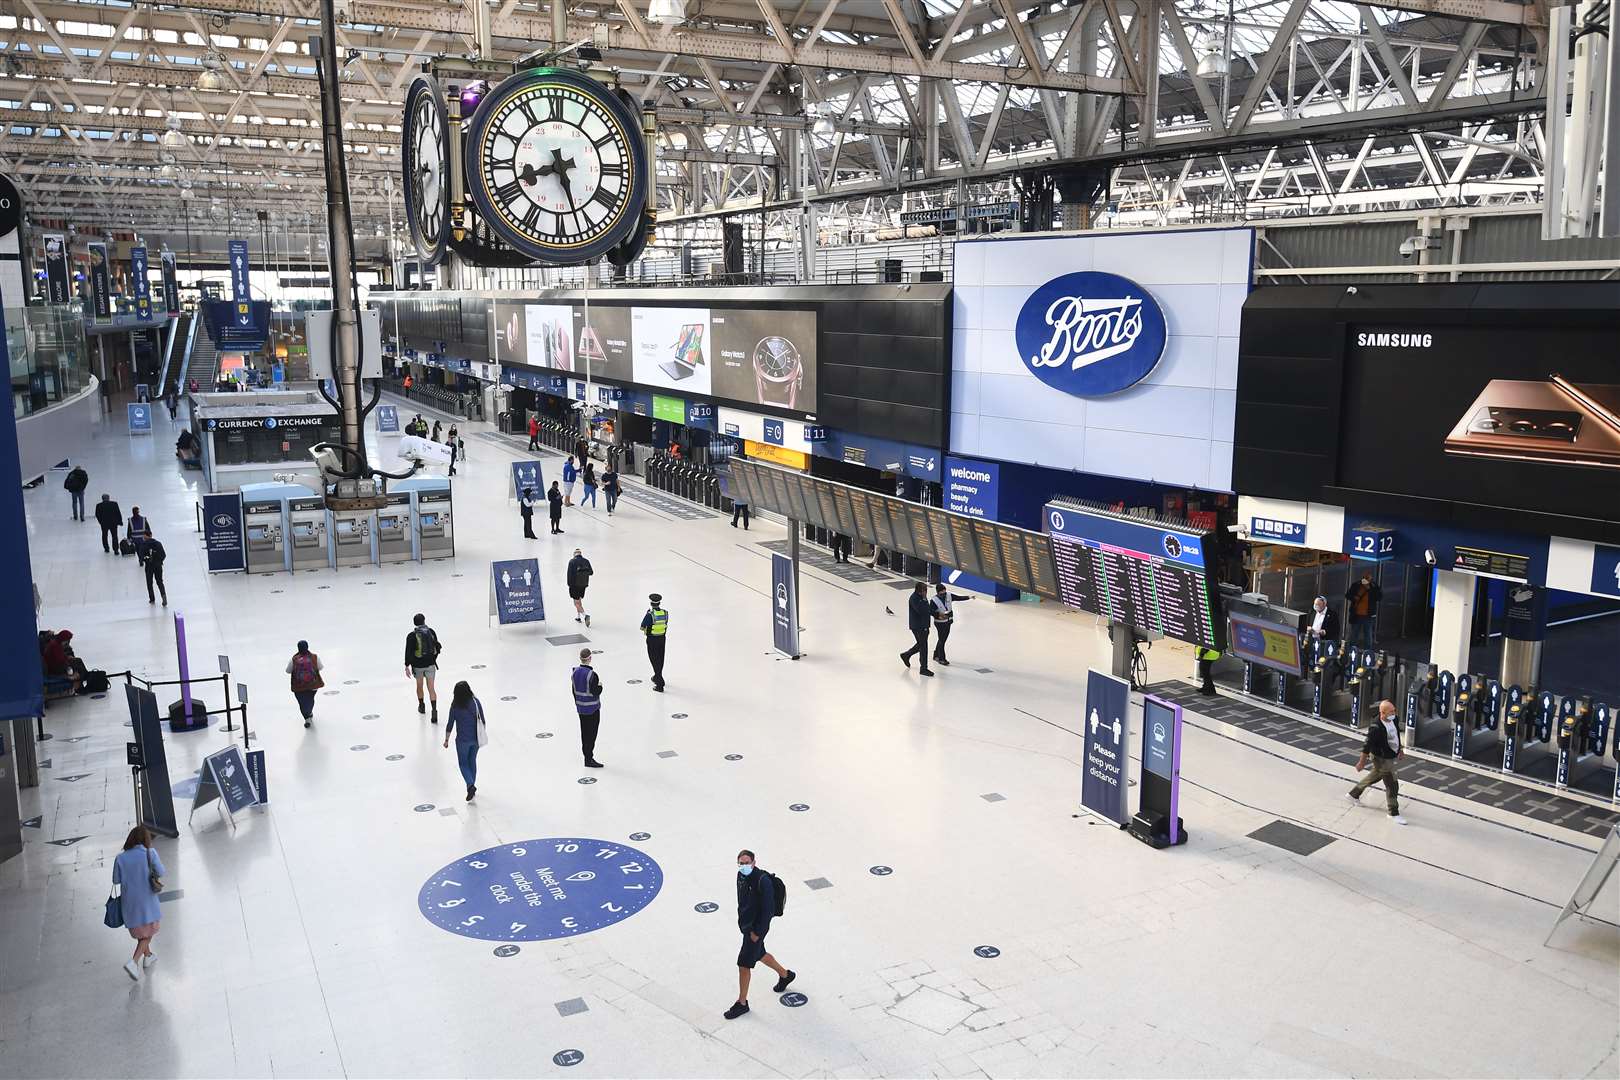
<point x="1206" y="665"/>
<point x="655" y="625"/>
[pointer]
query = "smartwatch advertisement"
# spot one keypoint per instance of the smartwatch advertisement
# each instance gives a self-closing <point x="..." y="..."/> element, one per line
<point x="766" y="357"/>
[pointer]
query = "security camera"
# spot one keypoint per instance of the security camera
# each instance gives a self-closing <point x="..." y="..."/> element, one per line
<point x="1415" y="244"/>
<point x="1428" y="557"/>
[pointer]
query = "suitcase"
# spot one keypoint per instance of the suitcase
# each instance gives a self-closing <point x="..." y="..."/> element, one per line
<point x="94" y="682"/>
<point x="126" y="546"/>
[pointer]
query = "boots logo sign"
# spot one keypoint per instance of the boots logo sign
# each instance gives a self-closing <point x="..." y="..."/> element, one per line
<point x="1090" y="334"/>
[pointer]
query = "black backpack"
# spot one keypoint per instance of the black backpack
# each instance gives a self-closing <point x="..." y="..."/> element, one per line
<point x="781" y="894"/>
<point x="427" y="645"/>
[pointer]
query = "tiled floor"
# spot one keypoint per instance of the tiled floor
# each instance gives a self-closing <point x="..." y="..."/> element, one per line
<point x="972" y="924"/>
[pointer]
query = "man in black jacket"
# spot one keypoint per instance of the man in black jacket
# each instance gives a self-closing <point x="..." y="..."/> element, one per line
<point x="756" y="907"/>
<point x="1383" y="748"/>
<point x="109" y="517"/>
<point x="579" y="579"/>
<point x="422" y="662"/>
<point x="919" y="616"/>
<point x="152" y="556"/>
<point x="75" y="483"/>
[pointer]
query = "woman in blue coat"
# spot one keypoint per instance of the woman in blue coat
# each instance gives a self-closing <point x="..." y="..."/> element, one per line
<point x="465" y="722"/>
<point x="135" y="870"/>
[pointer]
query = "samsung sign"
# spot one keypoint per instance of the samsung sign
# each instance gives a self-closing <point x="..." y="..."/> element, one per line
<point x="1091" y="334"/>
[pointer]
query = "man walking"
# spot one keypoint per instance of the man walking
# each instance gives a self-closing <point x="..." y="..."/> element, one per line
<point x="1383" y="748"/>
<point x="944" y="615"/>
<point x="526" y="508"/>
<point x="919" y="615"/>
<point x="587" y="688"/>
<point x="152" y="556"/>
<point x="139" y="529"/>
<point x="756" y="906"/>
<point x="422" y="650"/>
<point x="655" y="625"/>
<point x="739" y="508"/>
<point x="109" y="517"/>
<point x="579" y="579"/>
<point x="610" y="484"/>
<point x="75" y="482"/>
<point x="569" y="473"/>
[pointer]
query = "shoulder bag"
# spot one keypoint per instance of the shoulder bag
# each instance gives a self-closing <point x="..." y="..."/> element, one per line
<point x="483" y="732"/>
<point x="114" y="918"/>
<point x="152" y="874"/>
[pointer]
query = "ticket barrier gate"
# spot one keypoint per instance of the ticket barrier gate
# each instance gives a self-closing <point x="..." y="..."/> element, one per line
<point x="1368" y="674"/>
<point x="264" y="525"/>
<point x="1476" y="719"/>
<point x="1431" y="727"/>
<point x="306" y="525"/>
<point x="353" y="535"/>
<point x="394" y="535"/>
<point x="1329" y="698"/>
<point x="1583" y="729"/>
<point x="435" y="535"/>
<point x="1528" y="743"/>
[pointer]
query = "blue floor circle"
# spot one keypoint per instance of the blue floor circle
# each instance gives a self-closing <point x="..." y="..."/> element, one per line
<point x="566" y="1058"/>
<point x="538" y="890"/>
<point x="793" y="999"/>
<point x="988" y="952"/>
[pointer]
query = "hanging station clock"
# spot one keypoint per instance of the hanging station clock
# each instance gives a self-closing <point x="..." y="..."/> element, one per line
<point x="557" y="167"/>
<point x="426" y="157"/>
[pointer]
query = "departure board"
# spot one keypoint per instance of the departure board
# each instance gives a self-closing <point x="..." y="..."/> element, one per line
<point x="739" y="484"/>
<point x="824" y="506"/>
<point x="922" y="539"/>
<point x="989" y="545"/>
<point x="1140" y="573"/>
<point x="861" y="503"/>
<point x="807" y="488"/>
<point x="1013" y="561"/>
<point x="846" y="514"/>
<point x="880" y="521"/>
<point x="944" y="546"/>
<point x="967" y="549"/>
<point x="785" y="502"/>
<point x="1042" y="574"/>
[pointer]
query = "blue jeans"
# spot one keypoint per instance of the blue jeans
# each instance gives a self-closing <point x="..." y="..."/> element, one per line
<point x="78" y="504"/>
<point x="590" y="495"/>
<point x="1361" y="633"/>
<point x="467" y="758"/>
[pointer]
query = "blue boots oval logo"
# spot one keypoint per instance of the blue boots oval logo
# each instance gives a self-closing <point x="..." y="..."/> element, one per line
<point x="1090" y="333"/>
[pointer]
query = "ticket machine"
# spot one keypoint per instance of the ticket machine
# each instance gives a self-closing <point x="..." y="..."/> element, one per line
<point x="354" y="537"/>
<point x="395" y="538"/>
<point x="306" y="525"/>
<point x="435" y="534"/>
<point x="265" y="524"/>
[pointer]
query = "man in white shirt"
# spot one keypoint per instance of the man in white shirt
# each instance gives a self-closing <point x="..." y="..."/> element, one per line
<point x="1324" y="623"/>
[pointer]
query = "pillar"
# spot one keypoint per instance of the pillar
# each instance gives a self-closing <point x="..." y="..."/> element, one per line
<point x="1453" y="621"/>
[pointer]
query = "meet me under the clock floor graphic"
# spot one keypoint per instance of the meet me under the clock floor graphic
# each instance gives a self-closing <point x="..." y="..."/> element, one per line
<point x="537" y="890"/>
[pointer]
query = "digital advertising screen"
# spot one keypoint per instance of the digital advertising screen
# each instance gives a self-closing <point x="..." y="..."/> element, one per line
<point x="602" y="336"/>
<point x="550" y="335"/>
<point x="672" y="348"/>
<point x="1268" y="644"/>
<point x="764" y="357"/>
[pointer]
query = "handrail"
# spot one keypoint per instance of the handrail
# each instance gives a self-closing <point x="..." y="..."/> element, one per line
<point x="191" y="345"/>
<point x="168" y="353"/>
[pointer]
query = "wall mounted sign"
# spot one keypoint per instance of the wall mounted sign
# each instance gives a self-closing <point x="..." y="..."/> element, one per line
<point x="1090" y="334"/>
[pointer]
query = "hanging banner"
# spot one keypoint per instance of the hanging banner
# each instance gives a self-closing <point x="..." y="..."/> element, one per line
<point x="222" y="532"/>
<point x="784" y="607"/>
<point x="171" y="284"/>
<point x="56" y="268"/>
<point x="514" y="591"/>
<point x="100" y="283"/>
<point x="143" y="284"/>
<point x="1105" y="755"/>
<point x="241" y="293"/>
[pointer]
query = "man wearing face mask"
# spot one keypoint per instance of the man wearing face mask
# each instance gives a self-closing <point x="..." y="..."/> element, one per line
<point x="756" y="907"/>
<point x="1324" y="624"/>
<point x="1361" y="603"/>
<point x="1382" y="748"/>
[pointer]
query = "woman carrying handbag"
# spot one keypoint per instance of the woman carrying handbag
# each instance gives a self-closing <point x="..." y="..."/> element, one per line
<point x="137" y="881"/>
<point x="466" y="722"/>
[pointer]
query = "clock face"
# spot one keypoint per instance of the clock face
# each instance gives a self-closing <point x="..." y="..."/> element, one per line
<point x="776" y="358"/>
<point x="426" y="154"/>
<point x="557" y="166"/>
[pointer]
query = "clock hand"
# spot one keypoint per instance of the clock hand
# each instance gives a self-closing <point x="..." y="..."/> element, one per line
<point x="559" y="168"/>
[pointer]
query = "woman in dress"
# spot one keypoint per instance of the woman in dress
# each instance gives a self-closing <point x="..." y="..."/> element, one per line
<point x="137" y="871"/>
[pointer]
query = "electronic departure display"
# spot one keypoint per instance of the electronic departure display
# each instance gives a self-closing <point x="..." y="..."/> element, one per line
<point x="862" y="504"/>
<point x="846" y="514"/>
<point x="944" y="547"/>
<point x="1140" y="573"/>
<point x="922" y="540"/>
<point x="967" y="549"/>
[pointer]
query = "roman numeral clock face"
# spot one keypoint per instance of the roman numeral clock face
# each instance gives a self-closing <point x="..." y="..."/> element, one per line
<point x="557" y="166"/>
<point x="425" y="156"/>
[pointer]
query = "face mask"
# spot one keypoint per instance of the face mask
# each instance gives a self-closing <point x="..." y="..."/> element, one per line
<point x="746" y="869"/>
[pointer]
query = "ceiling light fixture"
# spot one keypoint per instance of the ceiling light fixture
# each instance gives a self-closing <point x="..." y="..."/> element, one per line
<point x="666" y="11"/>
<point x="1213" y="64"/>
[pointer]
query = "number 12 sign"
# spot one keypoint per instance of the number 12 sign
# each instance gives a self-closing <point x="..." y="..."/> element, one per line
<point x="1372" y="543"/>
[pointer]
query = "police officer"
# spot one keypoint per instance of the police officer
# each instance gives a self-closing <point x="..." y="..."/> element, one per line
<point x="1206" y="669"/>
<point x="587" y="688"/>
<point x="655" y="624"/>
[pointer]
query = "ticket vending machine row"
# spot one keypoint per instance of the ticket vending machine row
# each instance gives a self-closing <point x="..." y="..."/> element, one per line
<point x="306" y="525"/>
<point x="435" y="534"/>
<point x="265" y="524"/>
<point x="395" y="538"/>
<point x="1527" y="734"/>
<point x="353" y="535"/>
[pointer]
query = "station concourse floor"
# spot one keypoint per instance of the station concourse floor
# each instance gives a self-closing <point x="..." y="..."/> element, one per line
<point x="294" y="946"/>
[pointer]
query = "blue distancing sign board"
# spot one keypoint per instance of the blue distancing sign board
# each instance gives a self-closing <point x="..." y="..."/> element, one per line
<point x="1106" y="754"/>
<point x="515" y="591"/>
<point x="1606" y="570"/>
<point x="784" y="606"/>
<point x="140" y="418"/>
<point x="527" y="474"/>
<point x="222" y="531"/>
<point x="387" y="420"/>
<point x="538" y="890"/>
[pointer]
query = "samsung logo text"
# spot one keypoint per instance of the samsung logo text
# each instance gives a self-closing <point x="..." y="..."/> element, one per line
<point x="1396" y="341"/>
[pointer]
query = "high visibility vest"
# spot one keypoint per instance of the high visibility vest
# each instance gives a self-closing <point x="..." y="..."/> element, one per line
<point x="585" y="702"/>
<point x="660" y="623"/>
<point x="1206" y="654"/>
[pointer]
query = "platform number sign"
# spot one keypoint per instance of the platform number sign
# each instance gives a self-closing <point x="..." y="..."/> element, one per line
<point x="538" y="890"/>
<point x="1371" y="543"/>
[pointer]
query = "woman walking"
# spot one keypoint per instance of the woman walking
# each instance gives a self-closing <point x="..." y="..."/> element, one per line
<point x="138" y="873"/>
<point x="467" y="723"/>
<point x="555" y="498"/>
<point x="305" y="669"/>
<point x="588" y="478"/>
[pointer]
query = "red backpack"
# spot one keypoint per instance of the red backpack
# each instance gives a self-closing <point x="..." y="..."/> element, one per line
<point x="305" y="674"/>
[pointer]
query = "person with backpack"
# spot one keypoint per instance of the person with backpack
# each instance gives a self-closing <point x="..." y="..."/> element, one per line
<point x="305" y="669"/>
<point x="152" y="556"/>
<point x="75" y="482"/>
<point x="579" y="579"/>
<point x="137" y="879"/>
<point x="109" y="517"/>
<point x="570" y="474"/>
<point x="466" y="722"/>
<point x="555" y="499"/>
<point x="761" y="897"/>
<point x="422" y="650"/>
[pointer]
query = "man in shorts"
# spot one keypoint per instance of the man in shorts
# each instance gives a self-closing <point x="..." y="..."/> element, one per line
<point x="756" y="907"/>
<point x="422" y="662"/>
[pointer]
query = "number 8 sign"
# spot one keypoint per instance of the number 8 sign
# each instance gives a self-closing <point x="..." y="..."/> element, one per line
<point x="540" y="889"/>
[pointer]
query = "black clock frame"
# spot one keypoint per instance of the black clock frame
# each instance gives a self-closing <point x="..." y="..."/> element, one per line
<point x="425" y="85"/>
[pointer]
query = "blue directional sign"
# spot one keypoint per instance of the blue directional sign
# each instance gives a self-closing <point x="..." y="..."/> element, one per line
<point x="1106" y="751"/>
<point x="1606" y="570"/>
<point x="772" y="430"/>
<point x="539" y="890"/>
<point x="140" y="418"/>
<point x="1270" y="528"/>
<point x="241" y="291"/>
<point x="387" y="420"/>
<point x="527" y="474"/>
<point x="515" y="587"/>
<point x="143" y="284"/>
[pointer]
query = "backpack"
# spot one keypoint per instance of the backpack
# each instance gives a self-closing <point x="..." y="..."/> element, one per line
<point x="427" y="645"/>
<point x="303" y="672"/>
<point x="781" y="894"/>
<point x="94" y="682"/>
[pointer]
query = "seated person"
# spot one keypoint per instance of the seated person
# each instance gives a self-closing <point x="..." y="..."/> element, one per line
<point x="186" y="448"/>
<point x="60" y="661"/>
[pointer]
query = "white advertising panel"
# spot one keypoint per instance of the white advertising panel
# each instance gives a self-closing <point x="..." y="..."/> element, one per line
<point x="1109" y="354"/>
<point x="672" y="347"/>
<point x="551" y="335"/>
